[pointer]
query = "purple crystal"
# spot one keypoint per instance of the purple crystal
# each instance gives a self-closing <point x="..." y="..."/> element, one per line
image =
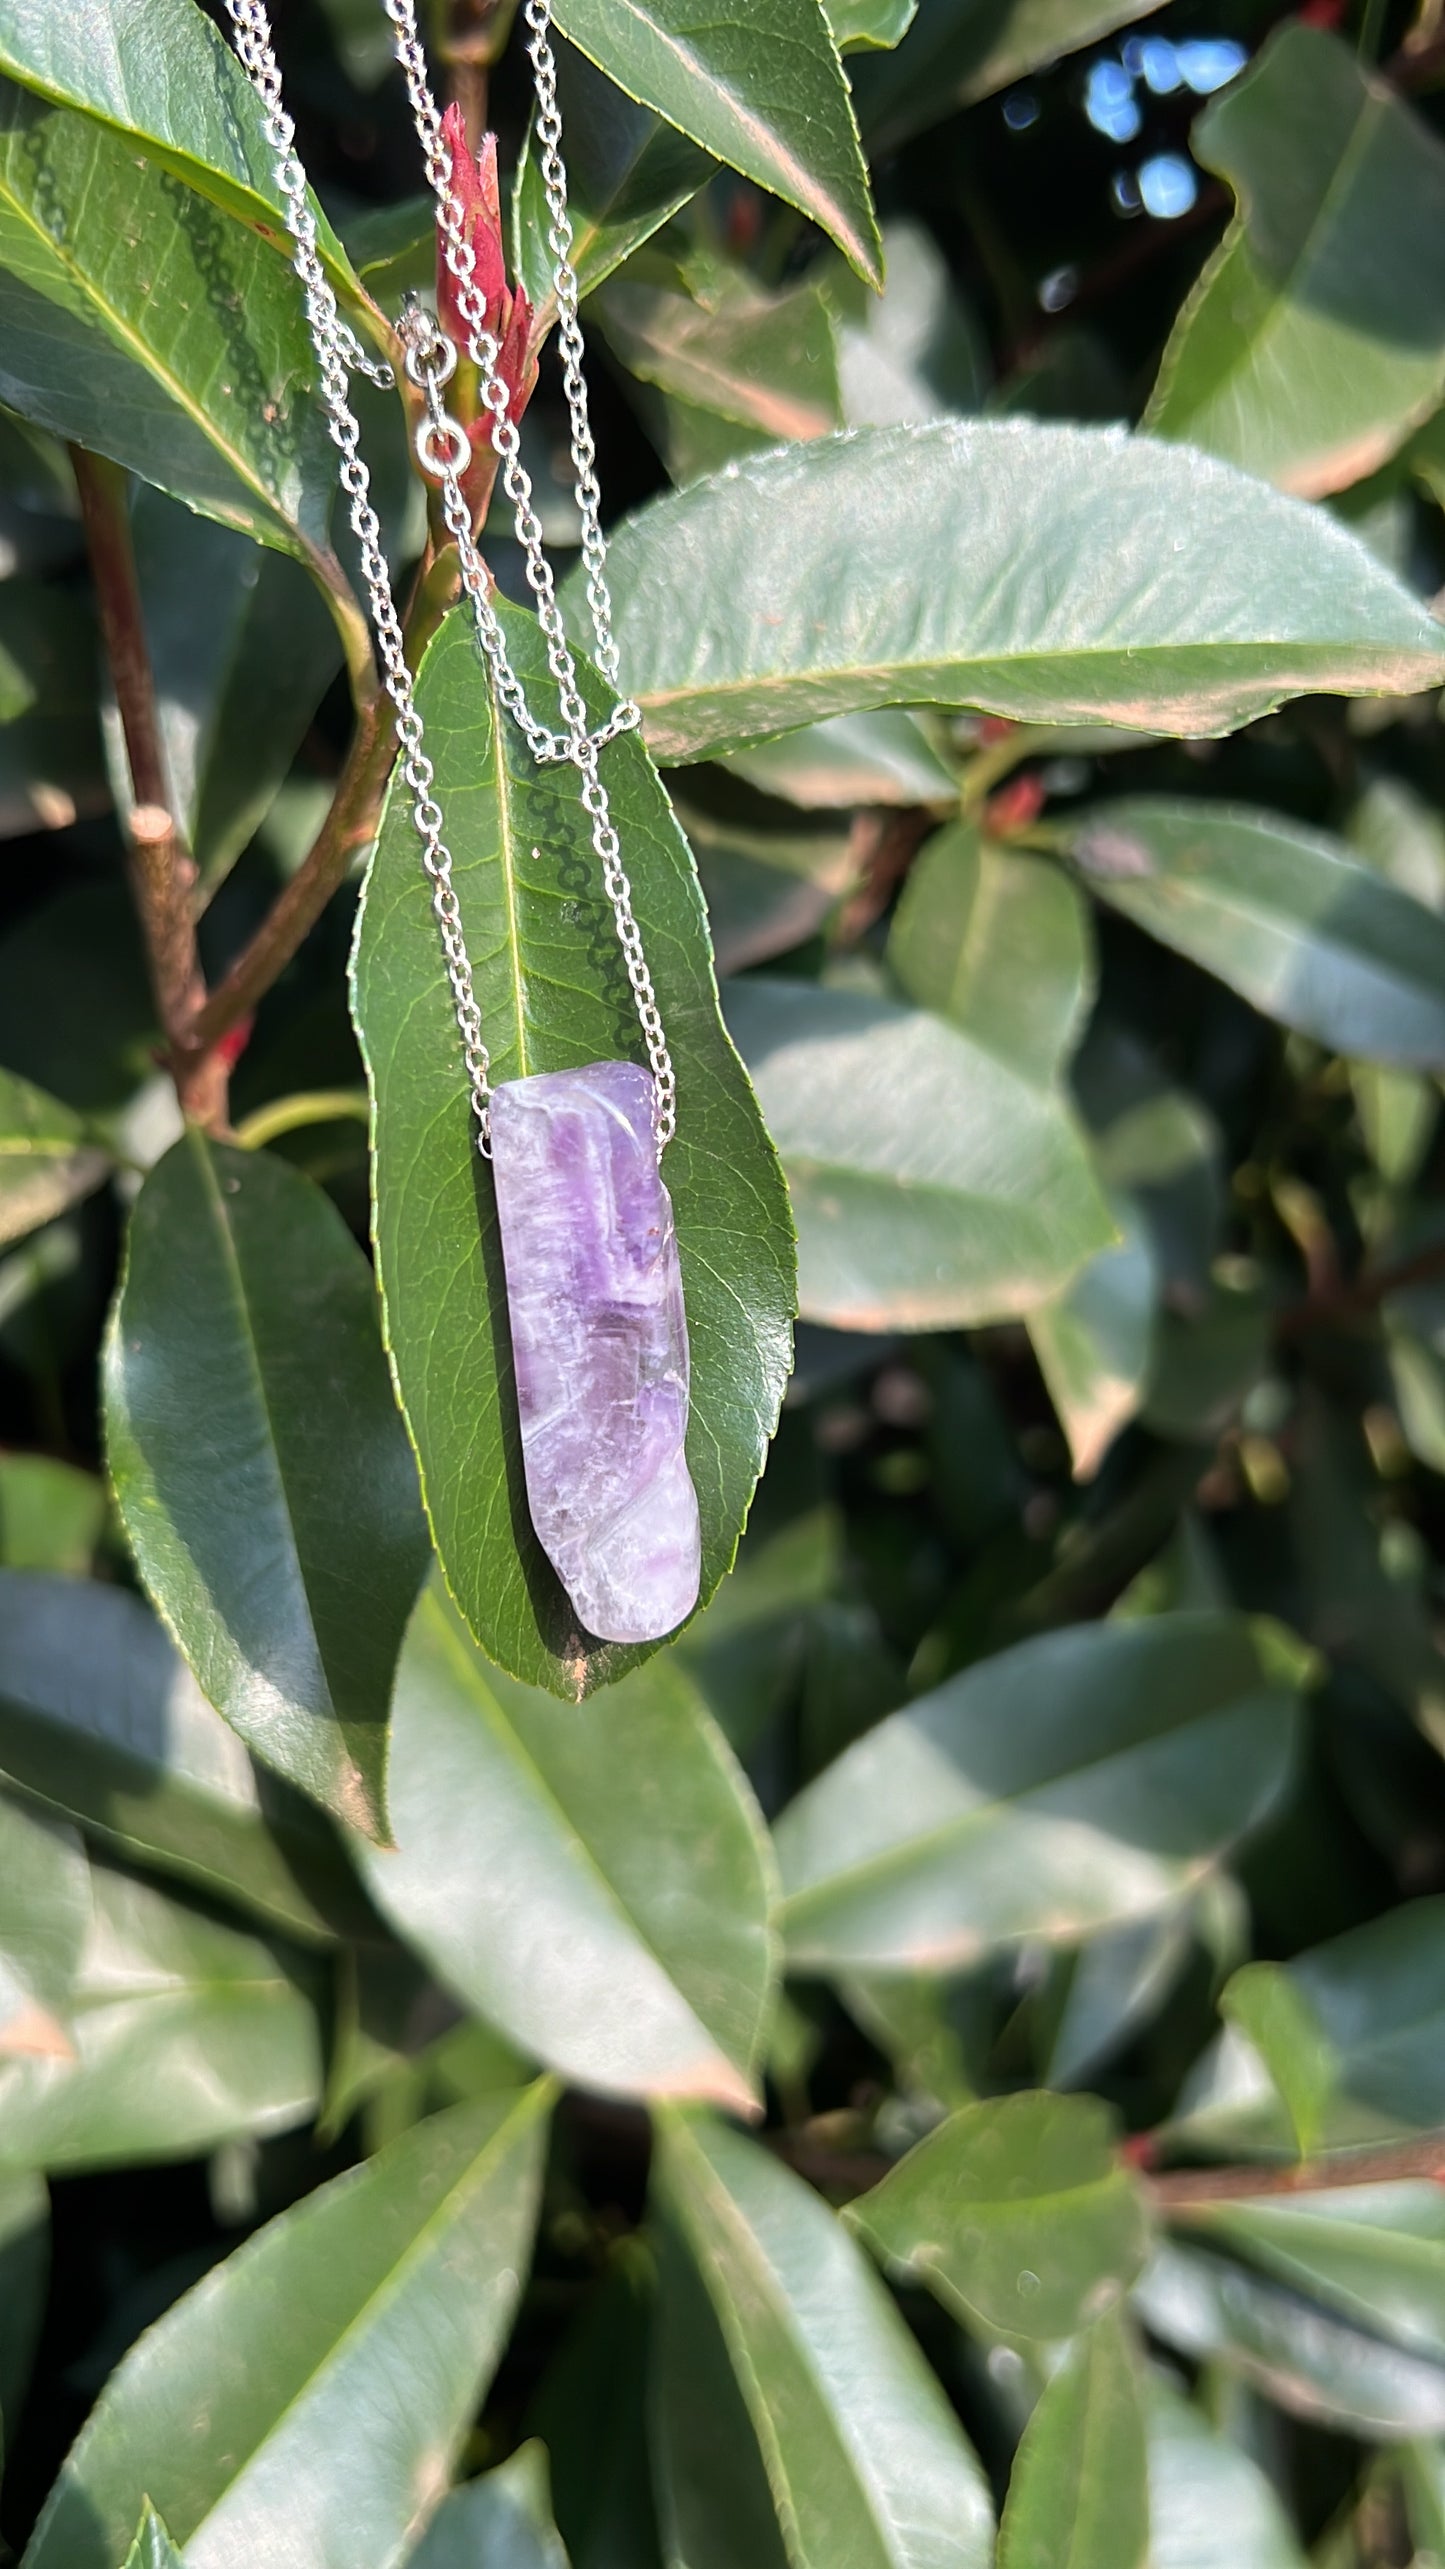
<point x="599" y="1336"/>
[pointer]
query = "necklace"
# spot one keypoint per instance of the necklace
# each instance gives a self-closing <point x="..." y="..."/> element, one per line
<point x="594" y="1287"/>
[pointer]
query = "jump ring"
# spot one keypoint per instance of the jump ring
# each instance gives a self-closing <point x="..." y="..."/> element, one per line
<point x="457" y="448"/>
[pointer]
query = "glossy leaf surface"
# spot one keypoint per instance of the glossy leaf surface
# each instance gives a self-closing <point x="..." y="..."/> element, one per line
<point x="1049" y="573"/>
<point x="1082" y="1778"/>
<point x="284" y="1554"/>
<point x="152" y="2547"/>
<point x="501" y="2521"/>
<point x="200" y="390"/>
<point x="1078" y="2492"/>
<point x="756" y="82"/>
<point x="628" y="172"/>
<point x="44" y="1916"/>
<point x="862" y="2457"/>
<point x="157" y="71"/>
<point x="1310" y="348"/>
<point x="553" y="993"/>
<point x="1017" y="2213"/>
<point x="179" y="2033"/>
<point x="596" y="1883"/>
<point x="913" y="1215"/>
<point x="313" y="2389"/>
<point x="101" y="1719"/>
<point x="1376" y="2253"/>
<point x="48" y="1159"/>
<point x="1341" y="2046"/>
<point x="1210" y="2505"/>
<point x="1310" y="2361"/>
<point x="1289" y="918"/>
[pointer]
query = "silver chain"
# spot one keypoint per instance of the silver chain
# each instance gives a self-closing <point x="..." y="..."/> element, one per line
<point x="444" y="451"/>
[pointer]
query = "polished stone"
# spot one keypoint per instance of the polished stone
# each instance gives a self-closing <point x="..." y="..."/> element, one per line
<point x="599" y="1336"/>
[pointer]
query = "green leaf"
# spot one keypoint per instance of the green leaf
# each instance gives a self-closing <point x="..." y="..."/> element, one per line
<point x="1303" y="2357"/>
<point x="998" y="942"/>
<point x="158" y="72"/>
<point x="1376" y="2253"/>
<point x="284" y="1549"/>
<point x="912" y="352"/>
<point x="1017" y="2213"/>
<point x="1310" y="347"/>
<point x="311" y="2393"/>
<point x="770" y="882"/>
<point x="180" y="2033"/>
<point x="1078" y="2496"/>
<point x="44" y="1916"/>
<point x="52" y="1514"/>
<point x="1287" y="917"/>
<point x="502" y="2521"/>
<point x="881" y="757"/>
<point x="102" y="1721"/>
<point x="1343" y="2045"/>
<point x="236" y="688"/>
<point x="959" y="50"/>
<point x="766" y="362"/>
<point x="24" y="2274"/>
<point x="869" y="25"/>
<point x="1094" y="1342"/>
<point x="628" y="173"/>
<point x="1210" y="2506"/>
<point x="48" y="1160"/>
<point x="152" y="2547"/>
<point x="552" y="992"/>
<point x="758" y="83"/>
<point x="931" y="1183"/>
<point x="863" y="2458"/>
<point x="1067" y="575"/>
<point x="1089" y="1776"/>
<point x="201" y="388"/>
<point x="598" y="1886"/>
<point x="75" y="1004"/>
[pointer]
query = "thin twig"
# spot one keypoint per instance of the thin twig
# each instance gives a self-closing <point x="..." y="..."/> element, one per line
<point x="1390" y="2163"/>
<point x="1358" y="1300"/>
<point x="161" y="872"/>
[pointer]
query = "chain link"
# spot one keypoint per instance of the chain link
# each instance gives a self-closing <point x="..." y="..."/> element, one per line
<point x="444" y="451"/>
<point x="580" y="747"/>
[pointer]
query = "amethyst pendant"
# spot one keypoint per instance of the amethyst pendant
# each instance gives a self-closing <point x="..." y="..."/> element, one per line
<point x="599" y="1337"/>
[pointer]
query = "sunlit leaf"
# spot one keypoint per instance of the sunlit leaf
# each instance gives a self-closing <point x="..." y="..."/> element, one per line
<point x="312" y="2391"/>
<point x="48" y="1158"/>
<point x="553" y="993"/>
<point x="1080" y="1779"/>
<point x="1018" y="2213"/>
<point x="1049" y="573"/>
<point x="1310" y="348"/>
<point x="597" y="1885"/>
<point x="1078" y="2492"/>
<point x="1288" y="917"/>
<point x="101" y="1719"/>
<point x="758" y="83"/>
<point x="931" y="1183"/>
<point x="773" y="2328"/>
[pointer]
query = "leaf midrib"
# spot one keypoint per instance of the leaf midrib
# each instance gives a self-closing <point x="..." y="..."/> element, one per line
<point x="732" y="2219"/>
<point x="149" y="362"/>
<point x="968" y="1823"/>
<point x="514" y="1748"/>
<point x="394" y="2281"/>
